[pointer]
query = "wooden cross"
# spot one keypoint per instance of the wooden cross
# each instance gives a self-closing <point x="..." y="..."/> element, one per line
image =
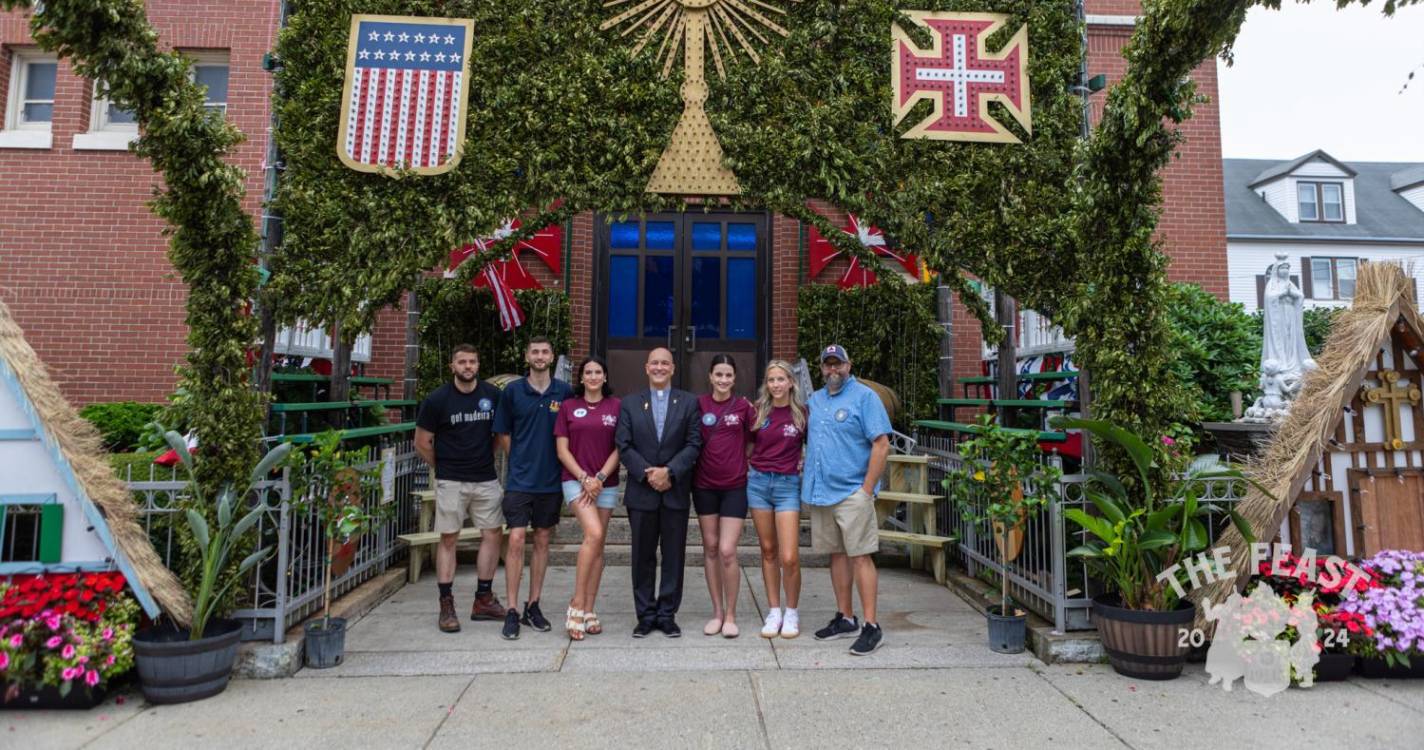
<point x="1389" y="395"/>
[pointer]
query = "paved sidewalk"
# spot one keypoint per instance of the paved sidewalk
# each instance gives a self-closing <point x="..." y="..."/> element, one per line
<point x="935" y="684"/>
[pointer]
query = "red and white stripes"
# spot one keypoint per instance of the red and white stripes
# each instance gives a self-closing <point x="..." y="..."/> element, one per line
<point x="403" y="118"/>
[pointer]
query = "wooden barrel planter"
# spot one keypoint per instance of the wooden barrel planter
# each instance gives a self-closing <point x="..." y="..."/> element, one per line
<point x="173" y="669"/>
<point x="1142" y="644"/>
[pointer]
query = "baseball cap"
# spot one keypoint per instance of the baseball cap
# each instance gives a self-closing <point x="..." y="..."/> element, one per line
<point x="835" y="350"/>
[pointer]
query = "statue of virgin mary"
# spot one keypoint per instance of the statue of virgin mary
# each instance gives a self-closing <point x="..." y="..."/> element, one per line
<point x="1283" y="333"/>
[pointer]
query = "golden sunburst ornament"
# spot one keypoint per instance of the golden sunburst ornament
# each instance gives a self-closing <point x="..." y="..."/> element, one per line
<point x="692" y="162"/>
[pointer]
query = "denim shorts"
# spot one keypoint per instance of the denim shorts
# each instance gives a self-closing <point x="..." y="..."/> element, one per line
<point x="607" y="499"/>
<point x="778" y="492"/>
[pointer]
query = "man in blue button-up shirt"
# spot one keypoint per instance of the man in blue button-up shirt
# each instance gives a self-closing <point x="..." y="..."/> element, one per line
<point x="848" y="440"/>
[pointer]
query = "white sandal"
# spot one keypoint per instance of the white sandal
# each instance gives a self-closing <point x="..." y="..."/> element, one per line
<point x="574" y="624"/>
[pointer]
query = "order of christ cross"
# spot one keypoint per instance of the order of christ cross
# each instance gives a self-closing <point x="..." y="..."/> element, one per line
<point x="960" y="76"/>
<point x="1390" y="395"/>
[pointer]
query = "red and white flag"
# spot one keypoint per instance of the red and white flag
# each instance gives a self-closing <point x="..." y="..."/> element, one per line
<point x="403" y="106"/>
<point x="511" y="316"/>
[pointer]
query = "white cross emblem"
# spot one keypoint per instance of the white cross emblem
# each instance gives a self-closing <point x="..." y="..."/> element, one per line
<point x="961" y="75"/>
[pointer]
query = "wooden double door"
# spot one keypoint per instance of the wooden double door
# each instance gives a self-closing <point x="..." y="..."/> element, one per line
<point x="697" y="284"/>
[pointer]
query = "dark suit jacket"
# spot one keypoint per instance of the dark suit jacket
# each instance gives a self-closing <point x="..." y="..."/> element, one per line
<point x="639" y="448"/>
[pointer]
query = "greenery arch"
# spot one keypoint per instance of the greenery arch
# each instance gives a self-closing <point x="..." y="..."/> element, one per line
<point x="1066" y="227"/>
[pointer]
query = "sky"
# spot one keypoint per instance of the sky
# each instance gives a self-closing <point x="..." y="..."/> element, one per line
<point x="1312" y="76"/>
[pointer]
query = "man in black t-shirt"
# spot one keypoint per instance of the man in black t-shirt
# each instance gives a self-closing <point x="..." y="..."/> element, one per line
<point x="453" y="434"/>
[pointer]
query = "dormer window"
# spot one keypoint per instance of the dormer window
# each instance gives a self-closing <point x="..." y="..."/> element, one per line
<point x="1321" y="201"/>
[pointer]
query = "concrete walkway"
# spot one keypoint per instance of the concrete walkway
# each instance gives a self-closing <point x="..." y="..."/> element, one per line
<point x="935" y="684"/>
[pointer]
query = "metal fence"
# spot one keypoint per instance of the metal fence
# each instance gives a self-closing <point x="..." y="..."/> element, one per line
<point x="1042" y="578"/>
<point x="288" y="586"/>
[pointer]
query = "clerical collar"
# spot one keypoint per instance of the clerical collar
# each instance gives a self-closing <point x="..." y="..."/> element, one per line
<point x="661" y="394"/>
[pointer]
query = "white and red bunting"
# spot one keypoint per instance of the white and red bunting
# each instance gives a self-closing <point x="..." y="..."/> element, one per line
<point x="822" y="252"/>
<point x="960" y="76"/>
<point x="547" y="245"/>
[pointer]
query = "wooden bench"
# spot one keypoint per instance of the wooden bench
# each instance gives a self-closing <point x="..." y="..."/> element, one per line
<point x="422" y="539"/>
<point x="907" y="482"/>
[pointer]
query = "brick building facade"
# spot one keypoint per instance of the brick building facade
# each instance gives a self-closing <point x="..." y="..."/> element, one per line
<point x="83" y="264"/>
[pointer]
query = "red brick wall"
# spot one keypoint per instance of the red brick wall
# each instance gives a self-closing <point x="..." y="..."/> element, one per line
<point x="83" y="263"/>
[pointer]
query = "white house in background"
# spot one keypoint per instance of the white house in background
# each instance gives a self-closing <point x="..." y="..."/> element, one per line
<point x="1327" y="216"/>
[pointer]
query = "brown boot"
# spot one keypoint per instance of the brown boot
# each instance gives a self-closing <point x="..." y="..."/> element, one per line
<point x="449" y="622"/>
<point x="487" y="607"/>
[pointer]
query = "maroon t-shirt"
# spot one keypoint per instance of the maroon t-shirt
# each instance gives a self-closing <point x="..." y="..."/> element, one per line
<point x="726" y="430"/>
<point x="777" y="448"/>
<point x="589" y="428"/>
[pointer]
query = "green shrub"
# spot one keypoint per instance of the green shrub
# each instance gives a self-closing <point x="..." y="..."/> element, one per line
<point x="889" y="330"/>
<point x="121" y="423"/>
<point x="133" y="466"/>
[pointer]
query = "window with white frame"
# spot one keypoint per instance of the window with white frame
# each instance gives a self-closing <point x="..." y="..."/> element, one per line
<point x="210" y="71"/>
<point x="107" y="118"/>
<point x="1332" y="278"/>
<point x="33" y="77"/>
<point x="1321" y="201"/>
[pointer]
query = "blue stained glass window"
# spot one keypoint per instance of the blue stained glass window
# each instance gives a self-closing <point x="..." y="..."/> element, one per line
<point x="624" y="235"/>
<point x="623" y="296"/>
<point x="742" y="237"/>
<point x="657" y="295"/>
<point x="741" y="298"/>
<point x="707" y="297"/>
<point x="706" y="236"/>
<point x="660" y="235"/>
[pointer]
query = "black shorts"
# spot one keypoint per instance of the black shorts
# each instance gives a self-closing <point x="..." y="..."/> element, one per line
<point x="537" y="509"/>
<point x="725" y="503"/>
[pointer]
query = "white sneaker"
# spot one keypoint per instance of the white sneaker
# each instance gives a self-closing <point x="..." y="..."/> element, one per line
<point x="773" y="624"/>
<point x="791" y="624"/>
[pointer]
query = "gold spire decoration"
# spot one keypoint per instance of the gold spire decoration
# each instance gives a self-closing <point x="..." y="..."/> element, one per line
<point x="692" y="162"/>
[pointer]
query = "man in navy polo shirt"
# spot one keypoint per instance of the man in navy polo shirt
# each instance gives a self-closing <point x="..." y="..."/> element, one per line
<point x="847" y="445"/>
<point x="524" y="422"/>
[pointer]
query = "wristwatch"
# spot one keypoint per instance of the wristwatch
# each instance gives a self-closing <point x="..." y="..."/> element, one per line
<point x="600" y="476"/>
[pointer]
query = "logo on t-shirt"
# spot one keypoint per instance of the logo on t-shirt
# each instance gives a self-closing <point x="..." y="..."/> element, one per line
<point x="610" y="420"/>
<point x="709" y="419"/>
<point x="790" y="431"/>
<point x="553" y="406"/>
<point x="733" y="419"/>
<point x="580" y="413"/>
<point x="841" y="415"/>
<point x="766" y="424"/>
<point x="485" y="404"/>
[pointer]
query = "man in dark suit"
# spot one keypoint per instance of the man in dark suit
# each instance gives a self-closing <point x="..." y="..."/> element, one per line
<point x="658" y="441"/>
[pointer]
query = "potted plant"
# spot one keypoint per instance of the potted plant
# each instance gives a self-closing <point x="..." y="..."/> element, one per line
<point x="64" y="638"/>
<point x="1293" y="580"/>
<point x="1002" y="481"/>
<point x="1395" y="647"/>
<point x="176" y="665"/>
<point x="330" y="484"/>
<point x="1137" y="535"/>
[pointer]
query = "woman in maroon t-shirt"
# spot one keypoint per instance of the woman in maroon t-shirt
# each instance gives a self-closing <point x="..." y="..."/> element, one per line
<point x="774" y="493"/>
<point x="719" y="491"/>
<point x="583" y="438"/>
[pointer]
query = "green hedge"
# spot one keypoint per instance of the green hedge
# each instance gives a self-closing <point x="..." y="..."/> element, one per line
<point x="888" y="329"/>
<point x="121" y="423"/>
<point x="453" y="313"/>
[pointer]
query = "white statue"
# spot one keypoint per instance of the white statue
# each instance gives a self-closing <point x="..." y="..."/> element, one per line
<point x="1284" y="356"/>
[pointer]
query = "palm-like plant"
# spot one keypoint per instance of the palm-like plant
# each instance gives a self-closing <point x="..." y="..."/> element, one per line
<point x="1139" y="538"/>
<point x="216" y="542"/>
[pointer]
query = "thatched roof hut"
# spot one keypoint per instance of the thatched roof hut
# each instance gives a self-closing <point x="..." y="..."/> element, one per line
<point x="52" y="458"/>
<point x="1344" y="473"/>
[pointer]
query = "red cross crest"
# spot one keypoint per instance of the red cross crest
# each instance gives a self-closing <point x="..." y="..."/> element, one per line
<point x="547" y="245"/>
<point x="822" y="252"/>
<point x="961" y="77"/>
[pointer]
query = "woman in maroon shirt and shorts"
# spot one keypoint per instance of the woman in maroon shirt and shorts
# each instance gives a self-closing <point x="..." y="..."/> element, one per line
<point x="719" y="491"/>
<point x="583" y="438"/>
<point x="774" y="493"/>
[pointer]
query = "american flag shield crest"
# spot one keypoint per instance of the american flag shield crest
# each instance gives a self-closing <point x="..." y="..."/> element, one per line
<point x="403" y="105"/>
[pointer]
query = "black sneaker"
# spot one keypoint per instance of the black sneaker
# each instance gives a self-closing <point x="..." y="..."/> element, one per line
<point x="670" y="628"/>
<point x="643" y="629"/>
<point x="838" y="627"/>
<point x="869" y="640"/>
<point x="511" y="626"/>
<point x="535" y="618"/>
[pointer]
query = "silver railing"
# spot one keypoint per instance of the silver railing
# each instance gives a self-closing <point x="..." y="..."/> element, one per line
<point x="287" y="587"/>
<point x="1042" y="578"/>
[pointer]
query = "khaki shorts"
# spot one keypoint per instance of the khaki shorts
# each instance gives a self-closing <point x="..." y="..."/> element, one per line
<point x="848" y="527"/>
<point x="481" y="502"/>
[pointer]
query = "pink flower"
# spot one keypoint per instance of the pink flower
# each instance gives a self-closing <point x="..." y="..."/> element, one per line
<point x="70" y="673"/>
<point x="4" y="660"/>
<point x="53" y="642"/>
<point x="108" y="634"/>
<point x="109" y="662"/>
<point x="68" y="651"/>
<point x="52" y="622"/>
<point x="16" y="640"/>
<point x="91" y="678"/>
<point x="1168" y="441"/>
